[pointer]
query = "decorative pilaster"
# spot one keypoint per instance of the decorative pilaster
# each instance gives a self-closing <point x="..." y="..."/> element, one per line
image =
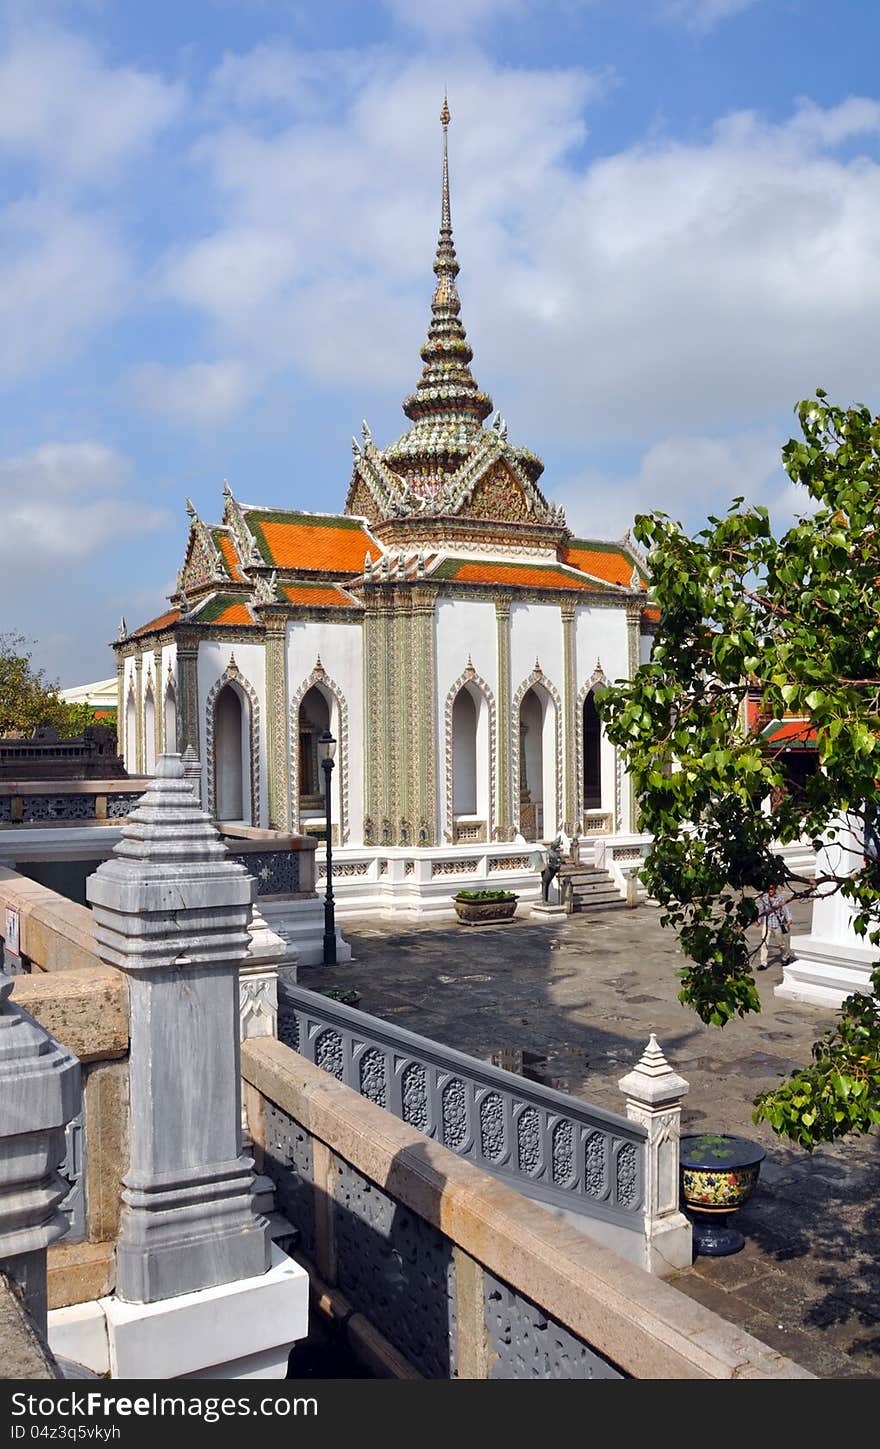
<point x="571" y="812"/>
<point x="654" y="1094"/>
<point x="120" y="705"/>
<point x="277" y="745"/>
<point x="382" y="722"/>
<point x="39" y="1094"/>
<point x="505" y="787"/>
<point x="159" y="702"/>
<point x="402" y="723"/>
<point x="424" y="676"/>
<point x="370" y="717"/>
<point x="188" y="692"/>
<point x="139" y="713"/>
<point x="171" y="911"/>
<point x="633" y="648"/>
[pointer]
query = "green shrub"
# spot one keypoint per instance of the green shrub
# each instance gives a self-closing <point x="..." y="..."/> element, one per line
<point x="486" y="896"/>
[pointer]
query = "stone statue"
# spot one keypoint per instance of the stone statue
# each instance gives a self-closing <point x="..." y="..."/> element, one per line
<point x="551" y="869"/>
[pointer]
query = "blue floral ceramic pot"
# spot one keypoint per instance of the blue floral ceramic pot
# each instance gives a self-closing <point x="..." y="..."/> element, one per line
<point x="718" y="1174"/>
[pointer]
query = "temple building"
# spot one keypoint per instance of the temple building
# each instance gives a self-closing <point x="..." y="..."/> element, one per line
<point x="446" y="626"/>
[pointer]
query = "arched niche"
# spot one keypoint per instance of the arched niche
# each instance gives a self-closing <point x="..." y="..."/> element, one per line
<point x="131" y="733"/>
<point x="591" y="756"/>
<point x="231" y="750"/>
<point x="149" y="731"/>
<point x="538" y="759"/>
<point x="170" y="718"/>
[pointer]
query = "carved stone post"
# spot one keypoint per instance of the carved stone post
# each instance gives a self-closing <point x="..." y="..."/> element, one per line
<point x="192" y="771"/>
<point x="39" y="1094"/>
<point x="653" y="1098"/>
<point x="172" y="912"/>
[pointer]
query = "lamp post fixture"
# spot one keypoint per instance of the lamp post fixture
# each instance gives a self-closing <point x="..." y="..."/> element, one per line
<point x="326" y="751"/>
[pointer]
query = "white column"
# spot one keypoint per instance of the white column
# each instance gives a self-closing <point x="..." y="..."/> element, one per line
<point x="653" y="1098"/>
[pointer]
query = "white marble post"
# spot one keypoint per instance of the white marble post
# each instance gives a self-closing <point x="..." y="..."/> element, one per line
<point x="39" y="1094"/>
<point x="172" y="911"/>
<point x="832" y="961"/>
<point x="653" y="1098"/>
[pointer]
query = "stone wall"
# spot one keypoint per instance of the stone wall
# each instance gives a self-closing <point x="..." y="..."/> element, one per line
<point x="435" y="1270"/>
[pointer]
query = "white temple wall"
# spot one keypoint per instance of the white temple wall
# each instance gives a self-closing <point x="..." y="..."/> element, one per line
<point x="465" y="628"/>
<point x="646" y="644"/>
<point x="601" y="637"/>
<point x="340" y="649"/>
<point x="535" y="633"/>
<point x="129" y="746"/>
<point x="213" y="662"/>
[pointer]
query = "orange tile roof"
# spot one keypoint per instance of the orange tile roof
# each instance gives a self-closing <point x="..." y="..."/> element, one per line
<point x="229" y="555"/>
<point x="536" y="576"/>
<point x="163" y="621"/>
<point x="607" y="561"/>
<point x="329" y="542"/>
<point x="319" y="595"/>
<point x="652" y="614"/>
<point x="234" y="614"/>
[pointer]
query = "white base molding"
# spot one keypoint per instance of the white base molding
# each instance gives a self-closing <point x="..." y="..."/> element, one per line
<point x="544" y="911"/>
<point x="824" y="973"/>
<point x="239" y="1330"/>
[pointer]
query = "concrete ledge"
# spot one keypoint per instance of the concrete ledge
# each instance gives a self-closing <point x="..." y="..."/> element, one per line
<point x="85" y="1008"/>
<point x="642" y="1325"/>
<point x="55" y="934"/>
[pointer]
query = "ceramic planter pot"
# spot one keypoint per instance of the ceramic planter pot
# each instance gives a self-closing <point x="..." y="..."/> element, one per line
<point x="484" y="913"/>
<point x="718" y="1174"/>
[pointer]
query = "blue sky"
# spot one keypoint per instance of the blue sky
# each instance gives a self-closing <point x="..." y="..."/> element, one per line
<point x="217" y="222"/>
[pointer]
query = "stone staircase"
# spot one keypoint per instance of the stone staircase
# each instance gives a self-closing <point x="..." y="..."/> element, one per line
<point x="591" y="889"/>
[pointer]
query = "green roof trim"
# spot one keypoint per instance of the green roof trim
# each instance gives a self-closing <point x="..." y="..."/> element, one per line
<point x="216" y="606"/>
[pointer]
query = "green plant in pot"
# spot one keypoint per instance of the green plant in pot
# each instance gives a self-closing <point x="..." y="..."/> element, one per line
<point x="480" y="908"/>
<point x="718" y="1175"/>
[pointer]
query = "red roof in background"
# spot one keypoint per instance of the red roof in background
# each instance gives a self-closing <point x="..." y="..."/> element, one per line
<point x="797" y="732"/>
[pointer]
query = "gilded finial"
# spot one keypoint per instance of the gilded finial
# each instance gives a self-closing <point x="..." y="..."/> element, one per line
<point x="445" y="117"/>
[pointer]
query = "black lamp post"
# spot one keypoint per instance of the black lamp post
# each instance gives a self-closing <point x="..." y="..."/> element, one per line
<point x="326" y="751"/>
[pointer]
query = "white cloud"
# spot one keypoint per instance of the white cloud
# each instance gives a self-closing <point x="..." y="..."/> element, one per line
<point x="703" y="15"/>
<point x="79" y="117"/>
<point x="62" y="274"/>
<point x="60" y="502"/>
<point x="669" y="289"/>
<point x="678" y="474"/>
<point x="200" y="395"/>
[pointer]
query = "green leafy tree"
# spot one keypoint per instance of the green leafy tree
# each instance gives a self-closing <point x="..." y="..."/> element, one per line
<point x="797" y="618"/>
<point x="28" y="699"/>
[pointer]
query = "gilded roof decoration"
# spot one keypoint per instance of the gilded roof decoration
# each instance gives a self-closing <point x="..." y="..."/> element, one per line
<point x="435" y="466"/>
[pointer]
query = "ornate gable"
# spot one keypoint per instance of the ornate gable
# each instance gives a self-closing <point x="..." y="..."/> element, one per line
<point x="498" y="495"/>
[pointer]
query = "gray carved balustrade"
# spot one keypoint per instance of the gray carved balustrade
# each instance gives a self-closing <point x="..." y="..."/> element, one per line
<point x="552" y="1147"/>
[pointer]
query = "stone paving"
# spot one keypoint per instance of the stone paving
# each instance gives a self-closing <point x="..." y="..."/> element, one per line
<point x="586" y="992"/>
